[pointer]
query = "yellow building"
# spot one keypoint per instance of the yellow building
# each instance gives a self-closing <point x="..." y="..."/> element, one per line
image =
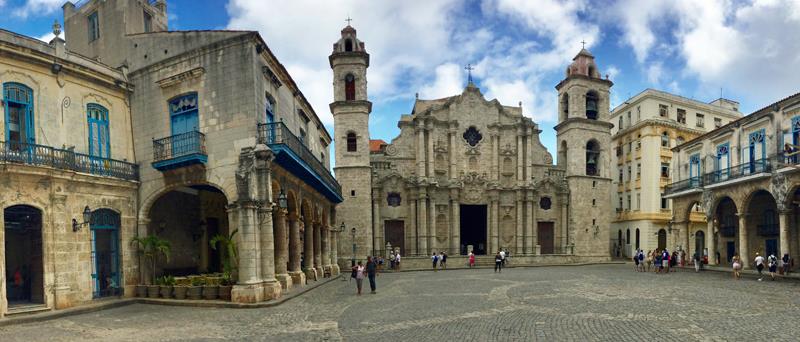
<point x="647" y="126"/>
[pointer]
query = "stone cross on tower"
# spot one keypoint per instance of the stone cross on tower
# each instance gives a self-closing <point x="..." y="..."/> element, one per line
<point x="348" y="20"/>
<point x="469" y="69"/>
<point x="583" y="44"/>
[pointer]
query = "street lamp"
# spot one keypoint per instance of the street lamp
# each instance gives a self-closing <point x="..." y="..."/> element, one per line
<point x="282" y="200"/>
<point x="87" y="216"/>
<point x="353" y="260"/>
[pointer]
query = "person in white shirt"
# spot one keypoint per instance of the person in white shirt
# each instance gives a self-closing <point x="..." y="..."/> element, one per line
<point x="397" y="260"/>
<point x="503" y="257"/>
<point x="759" y="265"/>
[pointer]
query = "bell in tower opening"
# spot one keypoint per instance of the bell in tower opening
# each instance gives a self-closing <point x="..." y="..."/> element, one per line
<point x="591" y="105"/>
<point x="592" y="154"/>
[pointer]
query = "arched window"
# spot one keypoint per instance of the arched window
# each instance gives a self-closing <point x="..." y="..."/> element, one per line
<point x="628" y="236"/>
<point x="352" y="145"/>
<point x="562" y="154"/>
<point x="662" y="239"/>
<point x="591" y="71"/>
<point x="348" y="45"/>
<point x="592" y="158"/>
<point x="97" y="117"/>
<point x="665" y="139"/>
<point x="591" y="105"/>
<point x="565" y="105"/>
<point x="18" y="100"/>
<point x="349" y="87"/>
<point x="637" y="238"/>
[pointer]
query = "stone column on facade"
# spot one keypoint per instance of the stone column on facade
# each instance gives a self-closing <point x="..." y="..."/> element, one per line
<point x="308" y="247"/>
<point x="264" y="157"/>
<point x="377" y="223"/>
<point x="565" y="227"/>
<point x="495" y="153"/>
<point x="783" y="221"/>
<point x="744" y="245"/>
<point x="326" y="248"/>
<point x="334" y="240"/>
<point x="422" y="220"/>
<point x="451" y="172"/>
<point x="318" y="249"/>
<point x="519" y="236"/>
<point x="430" y="158"/>
<point x="711" y="243"/>
<point x="281" y="249"/>
<point x="495" y="227"/>
<point x="529" y="154"/>
<point x="420" y="130"/>
<point x="520" y="163"/>
<point x="414" y="204"/>
<point x="685" y="230"/>
<point x="249" y="287"/>
<point x="531" y="217"/>
<point x="455" y="243"/>
<point x="295" y="249"/>
<point x="432" y="227"/>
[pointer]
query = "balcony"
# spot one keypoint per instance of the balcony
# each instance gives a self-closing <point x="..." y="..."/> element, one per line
<point x="46" y="156"/>
<point x="684" y="185"/>
<point x="293" y="155"/>
<point x="738" y="171"/>
<point x="179" y="150"/>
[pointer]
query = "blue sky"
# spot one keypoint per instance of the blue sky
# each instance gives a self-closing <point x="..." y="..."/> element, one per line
<point x="748" y="50"/>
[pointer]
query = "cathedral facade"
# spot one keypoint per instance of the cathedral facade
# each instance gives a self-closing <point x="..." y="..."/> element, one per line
<point x="467" y="174"/>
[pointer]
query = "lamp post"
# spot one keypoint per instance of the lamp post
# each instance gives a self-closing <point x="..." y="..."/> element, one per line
<point x="282" y="200"/>
<point x="87" y="216"/>
<point x="353" y="260"/>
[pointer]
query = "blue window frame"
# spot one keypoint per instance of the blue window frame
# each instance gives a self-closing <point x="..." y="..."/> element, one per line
<point x="183" y="111"/>
<point x="723" y="161"/>
<point x="18" y="105"/>
<point x="93" y="22"/>
<point x="271" y="119"/>
<point x="99" y="144"/>
<point x="754" y="153"/>
<point x="694" y="169"/>
<point x="104" y="226"/>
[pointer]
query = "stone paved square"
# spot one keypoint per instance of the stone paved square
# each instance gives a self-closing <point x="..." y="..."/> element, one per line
<point x="570" y="303"/>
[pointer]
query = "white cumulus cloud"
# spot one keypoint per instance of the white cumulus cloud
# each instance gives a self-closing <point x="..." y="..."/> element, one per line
<point x="38" y="7"/>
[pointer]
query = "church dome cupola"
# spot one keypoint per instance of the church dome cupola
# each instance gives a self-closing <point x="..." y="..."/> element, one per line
<point x="583" y="64"/>
<point x="349" y="42"/>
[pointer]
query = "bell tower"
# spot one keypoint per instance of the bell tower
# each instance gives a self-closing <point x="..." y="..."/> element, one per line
<point x="351" y="110"/>
<point x="584" y="137"/>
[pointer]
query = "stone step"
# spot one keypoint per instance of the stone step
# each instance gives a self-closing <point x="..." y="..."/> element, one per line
<point x="27" y="309"/>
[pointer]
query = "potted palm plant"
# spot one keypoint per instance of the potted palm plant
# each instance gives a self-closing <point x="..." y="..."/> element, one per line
<point x="151" y="247"/>
<point x="167" y="283"/>
<point x="179" y="290"/>
<point x="229" y="262"/>
<point x="195" y="290"/>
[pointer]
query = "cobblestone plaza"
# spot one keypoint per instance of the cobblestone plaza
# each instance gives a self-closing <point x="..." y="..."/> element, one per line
<point x="578" y="303"/>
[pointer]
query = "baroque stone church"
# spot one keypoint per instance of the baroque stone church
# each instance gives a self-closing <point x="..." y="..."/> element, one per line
<point x="471" y="174"/>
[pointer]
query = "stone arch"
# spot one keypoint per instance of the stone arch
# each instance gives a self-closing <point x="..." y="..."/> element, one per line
<point x="148" y="201"/>
<point x="564" y="105"/>
<point x="726" y="226"/>
<point x="562" y="154"/>
<point x="592" y="158"/>
<point x="761" y="220"/>
<point x="292" y="203"/>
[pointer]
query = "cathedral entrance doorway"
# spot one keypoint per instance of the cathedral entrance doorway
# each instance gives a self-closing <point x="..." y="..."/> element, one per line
<point x="394" y="231"/>
<point x="473" y="228"/>
<point x="546" y="238"/>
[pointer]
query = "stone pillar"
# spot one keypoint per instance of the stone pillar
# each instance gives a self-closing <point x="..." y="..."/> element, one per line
<point x="430" y="158"/>
<point x="334" y="239"/>
<point x="495" y="153"/>
<point x="318" y="249"/>
<point x="711" y="243"/>
<point x="308" y="250"/>
<point x="281" y="249"/>
<point x="783" y="221"/>
<point x="422" y="220"/>
<point x="420" y="130"/>
<point x="326" y="249"/>
<point x="520" y="221"/>
<point x="377" y="223"/>
<point x="272" y="288"/>
<point x="565" y="226"/>
<point x="744" y="246"/>
<point x="520" y="162"/>
<point x="295" y="248"/>
<point x="414" y="224"/>
<point x="685" y="238"/>
<point x="495" y="229"/>
<point x="529" y="154"/>
<point x="452" y="171"/>
<point x="531" y="217"/>
<point x="455" y="225"/>
<point x="249" y="287"/>
<point x="432" y="230"/>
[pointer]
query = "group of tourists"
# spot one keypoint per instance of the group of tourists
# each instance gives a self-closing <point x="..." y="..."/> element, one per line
<point x="439" y="260"/>
<point x="500" y="260"/>
<point x="772" y="263"/>
<point x="394" y="260"/>
<point x="661" y="261"/>
<point x="370" y="271"/>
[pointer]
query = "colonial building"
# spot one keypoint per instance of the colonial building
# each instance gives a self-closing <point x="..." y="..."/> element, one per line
<point x="145" y="131"/>
<point x="744" y="177"/>
<point x="470" y="174"/>
<point x="65" y="148"/>
<point x="648" y="125"/>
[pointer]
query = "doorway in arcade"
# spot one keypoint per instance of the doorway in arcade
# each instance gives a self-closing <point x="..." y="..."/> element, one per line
<point x="473" y="229"/>
<point x="190" y="217"/>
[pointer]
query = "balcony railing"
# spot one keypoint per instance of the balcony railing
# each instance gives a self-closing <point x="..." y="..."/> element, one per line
<point x="40" y="155"/>
<point x="278" y="134"/>
<point x="179" y="150"/>
<point x="686" y="184"/>
<point x="738" y="171"/>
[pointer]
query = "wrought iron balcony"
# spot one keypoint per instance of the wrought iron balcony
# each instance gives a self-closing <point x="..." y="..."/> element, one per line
<point x="738" y="171"/>
<point x="46" y="156"/>
<point x="293" y="155"/>
<point x="179" y="150"/>
<point x="686" y="184"/>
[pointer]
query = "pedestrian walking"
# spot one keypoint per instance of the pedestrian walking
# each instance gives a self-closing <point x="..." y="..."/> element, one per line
<point x="787" y="263"/>
<point x="673" y="261"/>
<point x="397" y="261"/>
<point x="636" y="261"/>
<point x="772" y="262"/>
<point x="372" y="270"/>
<point x="641" y="260"/>
<point x="471" y="259"/>
<point x="503" y="257"/>
<point x="498" y="262"/>
<point x="759" y="261"/>
<point x="359" y="272"/>
<point x="649" y="260"/>
<point x="392" y="260"/>
<point x="658" y="265"/>
<point x="697" y="261"/>
<point x="737" y="267"/>
<point x="435" y="260"/>
<point x="444" y="260"/>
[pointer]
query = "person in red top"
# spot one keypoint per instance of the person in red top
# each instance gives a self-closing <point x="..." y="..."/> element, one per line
<point x="471" y="259"/>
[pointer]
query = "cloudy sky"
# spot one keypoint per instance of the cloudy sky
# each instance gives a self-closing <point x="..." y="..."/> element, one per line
<point x="748" y="51"/>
